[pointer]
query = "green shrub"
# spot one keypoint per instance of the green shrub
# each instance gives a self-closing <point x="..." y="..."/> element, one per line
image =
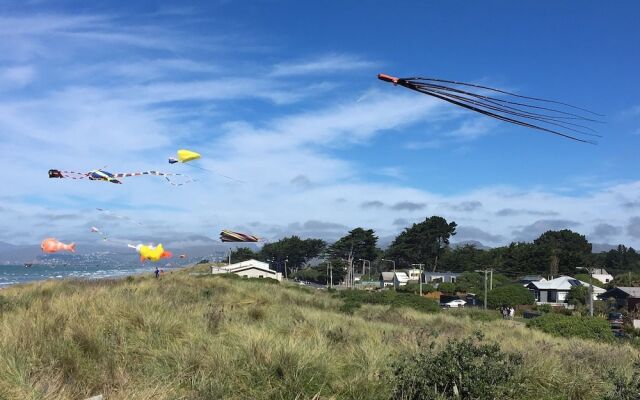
<point x="509" y="295"/>
<point x="415" y="288"/>
<point x="545" y="308"/>
<point x="353" y="299"/>
<point x="447" y="287"/>
<point x="623" y="388"/>
<point x="573" y="326"/>
<point x="464" y="369"/>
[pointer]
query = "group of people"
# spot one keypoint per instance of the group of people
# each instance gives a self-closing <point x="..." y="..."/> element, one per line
<point x="507" y="312"/>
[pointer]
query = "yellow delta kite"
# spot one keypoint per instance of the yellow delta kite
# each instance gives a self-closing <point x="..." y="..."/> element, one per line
<point x="184" y="156"/>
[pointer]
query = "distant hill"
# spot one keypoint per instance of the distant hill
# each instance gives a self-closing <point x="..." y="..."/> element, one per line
<point x="478" y="245"/>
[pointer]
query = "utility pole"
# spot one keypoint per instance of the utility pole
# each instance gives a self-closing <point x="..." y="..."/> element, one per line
<point x="491" y="280"/>
<point x="590" y="270"/>
<point x="285" y="267"/>
<point x="486" y="271"/>
<point x="485" y="290"/>
<point x="331" y="272"/>
<point x="420" y="277"/>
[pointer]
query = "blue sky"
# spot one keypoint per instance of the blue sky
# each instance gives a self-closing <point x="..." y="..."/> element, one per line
<point x="283" y="95"/>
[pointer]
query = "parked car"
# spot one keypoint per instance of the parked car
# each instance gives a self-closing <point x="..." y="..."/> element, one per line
<point x="615" y="318"/>
<point x="455" y="303"/>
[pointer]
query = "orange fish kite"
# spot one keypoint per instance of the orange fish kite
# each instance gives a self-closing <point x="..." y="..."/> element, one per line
<point x="51" y="245"/>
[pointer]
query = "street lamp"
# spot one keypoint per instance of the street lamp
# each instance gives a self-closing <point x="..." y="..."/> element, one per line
<point x="420" y="277"/>
<point x="394" y="271"/>
<point x="590" y="270"/>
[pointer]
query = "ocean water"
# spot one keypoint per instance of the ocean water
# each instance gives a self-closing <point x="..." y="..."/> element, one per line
<point x="14" y="274"/>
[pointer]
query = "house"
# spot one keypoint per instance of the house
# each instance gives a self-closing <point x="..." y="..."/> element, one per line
<point x="248" y="269"/>
<point x="625" y="297"/>
<point x="556" y="291"/>
<point x="601" y="274"/>
<point x="527" y="279"/>
<point x="439" y="277"/>
<point x="393" y="279"/>
<point x="414" y="274"/>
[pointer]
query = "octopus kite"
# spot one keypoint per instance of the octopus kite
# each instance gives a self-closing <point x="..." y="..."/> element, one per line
<point x="102" y="175"/>
<point x="521" y="110"/>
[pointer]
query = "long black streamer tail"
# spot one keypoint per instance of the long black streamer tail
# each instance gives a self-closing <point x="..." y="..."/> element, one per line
<point x="549" y="116"/>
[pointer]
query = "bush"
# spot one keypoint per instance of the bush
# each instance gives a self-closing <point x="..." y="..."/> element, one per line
<point x="578" y="295"/>
<point x="509" y="295"/>
<point x="625" y="389"/>
<point x="415" y="288"/>
<point x="464" y="369"/>
<point x="573" y="326"/>
<point x="353" y="299"/>
<point x="447" y="287"/>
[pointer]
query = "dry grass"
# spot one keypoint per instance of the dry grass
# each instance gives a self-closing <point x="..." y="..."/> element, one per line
<point x="191" y="337"/>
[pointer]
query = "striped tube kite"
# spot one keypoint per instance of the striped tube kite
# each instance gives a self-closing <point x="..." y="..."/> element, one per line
<point x="102" y="175"/>
<point x="230" y="236"/>
<point x="545" y="115"/>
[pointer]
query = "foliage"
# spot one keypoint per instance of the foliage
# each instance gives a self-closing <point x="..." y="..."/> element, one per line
<point x="471" y="282"/>
<point x="626" y="280"/>
<point x="570" y="249"/>
<point x="475" y="314"/>
<point x="353" y="299"/>
<point x="415" y="288"/>
<point x="464" y="369"/>
<point x="297" y="251"/>
<point x="243" y="254"/>
<point x="587" y="279"/>
<point x="578" y="295"/>
<point x="358" y="243"/>
<point x="619" y="260"/>
<point x="625" y="388"/>
<point x="216" y="337"/>
<point x="422" y="242"/>
<point x="573" y="326"/>
<point x="509" y="295"/>
<point x="447" y="287"/>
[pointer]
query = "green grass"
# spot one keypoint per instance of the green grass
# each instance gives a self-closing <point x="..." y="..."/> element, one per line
<point x="207" y="337"/>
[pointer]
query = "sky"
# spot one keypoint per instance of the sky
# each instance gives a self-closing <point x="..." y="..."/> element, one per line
<point x="283" y="96"/>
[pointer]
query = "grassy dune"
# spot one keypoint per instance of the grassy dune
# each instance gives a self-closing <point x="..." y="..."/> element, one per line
<point x="206" y="337"/>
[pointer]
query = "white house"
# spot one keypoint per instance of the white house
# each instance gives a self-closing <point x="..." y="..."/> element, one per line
<point x="393" y="279"/>
<point x="248" y="269"/>
<point x="414" y="274"/>
<point x="556" y="291"/>
<point x="601" y="274"/>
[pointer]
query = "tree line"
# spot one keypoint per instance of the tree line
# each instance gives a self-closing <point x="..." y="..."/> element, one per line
<point x="428" y="243"/>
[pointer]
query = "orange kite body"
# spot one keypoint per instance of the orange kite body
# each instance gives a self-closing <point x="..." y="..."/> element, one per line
<point x="51" y="245"/>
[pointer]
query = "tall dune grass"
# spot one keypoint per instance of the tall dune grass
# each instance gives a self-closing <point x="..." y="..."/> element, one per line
<point x="207" y="337"/>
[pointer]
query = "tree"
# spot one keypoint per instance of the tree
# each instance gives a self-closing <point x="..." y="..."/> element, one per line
<point x="509" y="295"/>
<point x="358" y="243"/>
<point x="470" y="282"/>
<point x="422" y="243"/>
<point x="243" y="254"/>
<point x="298" y="252"/>
<point x="578" y="295"/>
<point x="566" y="250"/>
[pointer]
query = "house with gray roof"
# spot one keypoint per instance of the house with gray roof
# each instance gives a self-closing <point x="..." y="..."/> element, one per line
<point x="627" y="298"/>
<point x="556" y="291"/>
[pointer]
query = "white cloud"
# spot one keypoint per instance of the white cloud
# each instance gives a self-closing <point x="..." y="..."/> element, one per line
<point x="17" y="76"/>
<point x="326" y="64"/>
